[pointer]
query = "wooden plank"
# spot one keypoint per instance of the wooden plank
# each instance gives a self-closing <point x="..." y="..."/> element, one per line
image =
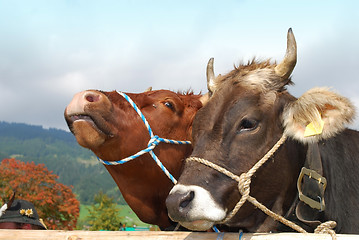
<point x="146" y="235"/>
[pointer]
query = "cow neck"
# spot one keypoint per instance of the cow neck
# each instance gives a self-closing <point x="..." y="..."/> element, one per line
<point x="244" y="181"/>
<point x="311" y="188"/>
<point x="152" y="143"/>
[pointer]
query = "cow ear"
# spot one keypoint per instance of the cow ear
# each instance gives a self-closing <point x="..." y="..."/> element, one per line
<point x="318" y="114"/>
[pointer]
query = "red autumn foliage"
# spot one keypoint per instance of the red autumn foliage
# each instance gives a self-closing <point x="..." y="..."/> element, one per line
<point x="54" y="201"/>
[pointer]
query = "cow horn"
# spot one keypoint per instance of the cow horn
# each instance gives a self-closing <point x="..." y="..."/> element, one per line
<point x="285" y="68"/>
<point x="148" y="89"/>
<point x="210" y="76"/>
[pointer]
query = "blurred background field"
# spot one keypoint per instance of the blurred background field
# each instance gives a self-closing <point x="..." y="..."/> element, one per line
<point x="76" y="166"/>
<point x="129" y="218"/>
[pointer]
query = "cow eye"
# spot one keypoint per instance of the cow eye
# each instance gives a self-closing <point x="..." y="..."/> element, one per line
<point x="247" y="125"/>
<point x="169" y="105"/>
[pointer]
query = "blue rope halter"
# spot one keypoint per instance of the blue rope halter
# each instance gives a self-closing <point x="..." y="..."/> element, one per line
<point x="152" y="143"/>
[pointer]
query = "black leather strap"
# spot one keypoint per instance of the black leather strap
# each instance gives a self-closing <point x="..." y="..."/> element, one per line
<point x="312" y="188"/>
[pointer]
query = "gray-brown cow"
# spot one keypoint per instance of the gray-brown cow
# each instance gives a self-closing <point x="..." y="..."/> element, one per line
<point x="249" y="110"/>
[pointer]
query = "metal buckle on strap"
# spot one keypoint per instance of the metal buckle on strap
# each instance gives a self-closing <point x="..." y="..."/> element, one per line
<point x="322" y="182"/>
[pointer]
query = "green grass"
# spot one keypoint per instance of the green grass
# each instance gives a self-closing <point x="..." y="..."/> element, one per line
<point x="129" y="217"/>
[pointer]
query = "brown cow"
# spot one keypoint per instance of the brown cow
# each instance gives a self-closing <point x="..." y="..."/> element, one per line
<point x="108" y="125"/>
<point x="249" y="113"/>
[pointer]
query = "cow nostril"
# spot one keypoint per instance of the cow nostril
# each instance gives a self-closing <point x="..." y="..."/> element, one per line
<point x="187" y="199"/>
<point x="90" y="97"/>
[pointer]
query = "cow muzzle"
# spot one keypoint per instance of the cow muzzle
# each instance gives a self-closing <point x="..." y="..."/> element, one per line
<point x="85" y="117"/>
<point x="193" y="207"/>
<point x="89" y="107"/>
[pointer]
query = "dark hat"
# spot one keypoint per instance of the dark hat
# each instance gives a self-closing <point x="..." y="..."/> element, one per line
<point x="22" y="211"/>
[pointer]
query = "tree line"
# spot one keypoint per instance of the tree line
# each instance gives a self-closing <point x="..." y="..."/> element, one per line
<point x="59" y="151"/>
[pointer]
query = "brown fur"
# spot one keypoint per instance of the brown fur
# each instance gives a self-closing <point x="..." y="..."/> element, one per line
<point x="223" y="133"/>
<point x="118" y="132"/>
<point x="259" y="75"/>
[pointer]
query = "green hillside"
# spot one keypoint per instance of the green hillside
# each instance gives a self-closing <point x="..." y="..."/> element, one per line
<point x="60" y="153"/>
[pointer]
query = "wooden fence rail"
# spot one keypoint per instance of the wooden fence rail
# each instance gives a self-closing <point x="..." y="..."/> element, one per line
<point x="119" y="235"/>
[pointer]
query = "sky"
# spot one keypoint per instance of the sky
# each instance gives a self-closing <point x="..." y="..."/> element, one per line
<point x="50" y="50"/>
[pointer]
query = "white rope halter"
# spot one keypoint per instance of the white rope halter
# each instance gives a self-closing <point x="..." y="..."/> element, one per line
<point x="244" y="181"/>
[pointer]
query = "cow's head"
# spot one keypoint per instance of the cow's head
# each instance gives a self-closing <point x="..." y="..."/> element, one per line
<point x="108" y="125"/>
<point x="248" y="111"/>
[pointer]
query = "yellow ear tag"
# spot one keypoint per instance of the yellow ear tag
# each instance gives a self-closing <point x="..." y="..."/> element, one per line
<point x="314" y="128"/>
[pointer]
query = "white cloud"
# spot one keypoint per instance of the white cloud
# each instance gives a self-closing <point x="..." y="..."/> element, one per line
<point x="49" y="56"/>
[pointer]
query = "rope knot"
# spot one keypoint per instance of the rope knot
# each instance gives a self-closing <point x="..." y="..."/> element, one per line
<point x="154" y="141"/>
<point x="327" y="228"/>
<point x="244" y="182"/>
